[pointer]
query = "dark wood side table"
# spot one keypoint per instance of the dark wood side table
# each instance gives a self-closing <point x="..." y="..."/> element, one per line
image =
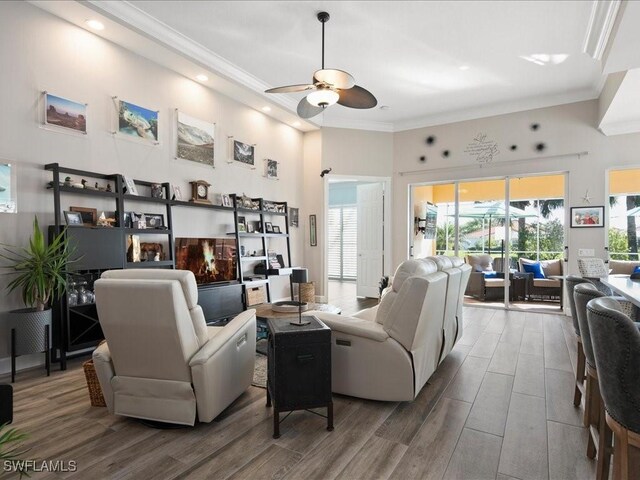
<point x="299" y="368"/>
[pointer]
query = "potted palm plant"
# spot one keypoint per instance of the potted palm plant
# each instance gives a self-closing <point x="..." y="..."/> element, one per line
<point x="40" y="272"/>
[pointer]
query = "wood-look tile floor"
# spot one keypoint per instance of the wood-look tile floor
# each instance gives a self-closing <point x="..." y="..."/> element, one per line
<point x="498" y="407"/>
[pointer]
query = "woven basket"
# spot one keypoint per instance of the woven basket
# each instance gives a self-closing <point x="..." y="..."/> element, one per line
<point x="308" y="292"/>
<point x="95" y="392"/>
<point x="256" y="296"/>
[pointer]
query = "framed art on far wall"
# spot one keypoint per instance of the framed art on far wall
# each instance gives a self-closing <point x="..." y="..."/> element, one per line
<point x="587" y="217"/>
<point x="8" y="188"/>
<point x="136" y="123"/>
<point x="242" y="153"/>
<point x="313" y="233"/>
<point x="195" y="139"/>
<point x="66" y="114"/>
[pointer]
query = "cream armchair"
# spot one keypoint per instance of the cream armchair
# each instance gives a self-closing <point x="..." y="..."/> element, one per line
<point x="161" y="361"/>
<point x="388" y="352"/>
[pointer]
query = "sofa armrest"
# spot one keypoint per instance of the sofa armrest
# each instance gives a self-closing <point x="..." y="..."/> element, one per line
<point x="226" y="335"/>
<point x="353" y="326"/>
<point x="367" y="314"/>
<point x="105" y="371"/>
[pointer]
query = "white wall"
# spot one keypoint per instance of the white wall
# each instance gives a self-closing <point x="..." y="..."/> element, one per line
<point x="564" y="129"/>
<point x="347" y="152"/>
<point x="39" y="52"/>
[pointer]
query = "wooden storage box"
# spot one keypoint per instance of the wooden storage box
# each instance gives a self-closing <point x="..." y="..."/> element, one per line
<point x="256" y="295"/>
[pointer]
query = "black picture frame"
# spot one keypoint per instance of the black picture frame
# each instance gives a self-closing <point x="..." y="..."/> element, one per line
<point x="73" y="219"/>
<point x="313" y="231"/>
<point x="587" y="216"/>
<point x="154" y="220"/>
<point x="268" y="227"/>
<point x="276" y="229"/>
<point x="242" y="225"/>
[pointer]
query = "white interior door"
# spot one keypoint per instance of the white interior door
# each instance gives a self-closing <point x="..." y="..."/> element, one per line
<point x="370" y="249"/>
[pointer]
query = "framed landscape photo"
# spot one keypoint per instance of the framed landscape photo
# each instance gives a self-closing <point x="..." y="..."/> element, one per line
<point x="195" y="139"/>
<point x="66" y="114"/>
<point x="271" y="169"/>
<point x="136" y="122"/>
<point x="244" y="153"/>
<point x="89" y="215"/>
<point x="587" y="217"/>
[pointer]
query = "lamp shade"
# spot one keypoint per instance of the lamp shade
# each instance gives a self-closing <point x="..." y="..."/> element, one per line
<point x="300" y="275"/>
<point x="324" y="97"/>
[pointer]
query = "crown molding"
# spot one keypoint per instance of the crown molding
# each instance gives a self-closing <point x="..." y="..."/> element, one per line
<point x="603" y="17"/>
<point x="499" y="109"/>
<point x="359" y="125"/>
<point x="167" y="36"/>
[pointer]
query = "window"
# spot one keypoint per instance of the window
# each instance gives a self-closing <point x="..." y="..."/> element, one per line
<point x="624" y="203"/>
<point x="343" y="242"/>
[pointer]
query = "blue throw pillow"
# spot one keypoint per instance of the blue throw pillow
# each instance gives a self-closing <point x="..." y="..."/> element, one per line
<point x="637" y="269"/>
<point x="534" y="268"/>
<point x="490" y="274"/>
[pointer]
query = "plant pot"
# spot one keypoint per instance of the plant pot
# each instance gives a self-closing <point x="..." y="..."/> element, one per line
<point x="30" y="329"/>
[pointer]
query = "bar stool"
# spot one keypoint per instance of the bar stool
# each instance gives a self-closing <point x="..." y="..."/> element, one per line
<point x="594" y="415"/>
<point x="571" y="281"/>
<point x="616" y="344"/>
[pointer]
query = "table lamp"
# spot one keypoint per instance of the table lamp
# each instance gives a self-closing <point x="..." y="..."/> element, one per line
<point x="300" y="275"/>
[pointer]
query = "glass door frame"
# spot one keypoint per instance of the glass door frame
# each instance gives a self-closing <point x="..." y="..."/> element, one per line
<point x="507" y="249"/>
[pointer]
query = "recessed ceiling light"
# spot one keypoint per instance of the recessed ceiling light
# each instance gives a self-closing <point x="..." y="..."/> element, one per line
<point x="464" y="67"/>
<point x="296" y="124"/>
<point x="266" y="109"/>
<point x="202" y="78"/>
<point x="95" y="24"/>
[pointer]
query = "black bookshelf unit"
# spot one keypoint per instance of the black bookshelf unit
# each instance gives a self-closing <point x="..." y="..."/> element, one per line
<point x="76" y="328"/>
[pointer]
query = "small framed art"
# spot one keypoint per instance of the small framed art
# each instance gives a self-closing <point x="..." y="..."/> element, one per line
<point x="313" y="232"/>
<point x="587" y="217"/>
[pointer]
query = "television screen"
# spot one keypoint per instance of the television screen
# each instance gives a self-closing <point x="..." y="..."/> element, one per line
<point x="210" y="259"/>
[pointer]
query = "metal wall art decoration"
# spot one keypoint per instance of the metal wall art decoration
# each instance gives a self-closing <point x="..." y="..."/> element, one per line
<point x="482" y="149"/>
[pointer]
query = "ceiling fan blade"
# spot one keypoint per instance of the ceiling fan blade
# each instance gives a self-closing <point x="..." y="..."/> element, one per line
<point x="291" y="89"/>
<point x="335" y="78"/>
<point x="306" y="110"/>
<point x="357" y="97"/>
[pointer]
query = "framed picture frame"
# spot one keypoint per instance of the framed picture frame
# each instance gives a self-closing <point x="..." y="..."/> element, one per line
<point x="64" y="114"/>
<point x="251" y="228"/>
<point x="194" y="139"/>
<point x="242" y="225"/>
<point x="8" y="187"/>
<point x="271" y="169"/>
<point x="73" y="219"/>
<point x="127" y="220"/>
<point x="154" y="220"/>
<point x="313" y="231"/>
<point x="587" y="217"/>
<point x="268" y="227"/>
<point x="136" y="123"/>
<point x="177" y="193"/>
<point x="89" y="215"/>
<point x="276" y="229"/>
<point x="241" y="153"/>
<point x="138" y="220"/>
<point x="130" y="185"/>
<point x="294" y="215"/>
<point x="226" y="200"/>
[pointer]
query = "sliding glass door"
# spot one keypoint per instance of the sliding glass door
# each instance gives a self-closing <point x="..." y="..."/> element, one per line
<point x="500" y="227"/>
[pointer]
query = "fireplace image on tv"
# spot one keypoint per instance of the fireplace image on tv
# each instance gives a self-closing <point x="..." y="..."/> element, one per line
<point x="210" y="259"/>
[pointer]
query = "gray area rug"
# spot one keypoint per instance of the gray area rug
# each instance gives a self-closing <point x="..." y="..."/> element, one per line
<point x="260" y="371"/>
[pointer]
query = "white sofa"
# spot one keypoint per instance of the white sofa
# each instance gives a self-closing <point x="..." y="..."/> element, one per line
<point x="388" y="352"/>
<point x="161" y="361"/>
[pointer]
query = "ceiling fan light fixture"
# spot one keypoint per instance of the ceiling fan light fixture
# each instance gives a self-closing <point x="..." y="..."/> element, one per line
<point x="323" y="98"/>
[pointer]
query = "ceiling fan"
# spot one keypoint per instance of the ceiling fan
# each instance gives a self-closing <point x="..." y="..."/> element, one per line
<point x="329" y="87"/>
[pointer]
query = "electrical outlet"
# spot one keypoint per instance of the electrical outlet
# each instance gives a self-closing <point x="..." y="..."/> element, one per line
<point x="586" y="252"/>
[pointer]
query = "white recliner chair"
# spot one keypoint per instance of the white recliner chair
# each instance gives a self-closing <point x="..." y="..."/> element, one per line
<point x="388" y="352"/>
<point x="161" y="361"/>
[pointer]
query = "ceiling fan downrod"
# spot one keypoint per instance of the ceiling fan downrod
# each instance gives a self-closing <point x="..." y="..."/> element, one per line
<point x="323" y="17"/>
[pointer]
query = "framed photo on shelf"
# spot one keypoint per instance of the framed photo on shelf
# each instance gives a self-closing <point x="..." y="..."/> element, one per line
<point x="128" y="220"/>
<point x="251" y="227"/>
<point x="73" y="219"/>
<point x="268" y="227"/>
<point x="130" y="185"/>
<point x="587" y="217"/>
<point x="153" y="220"/>
<point x="226" y="200"/>
<point x="242" y="225"/>
<point x="138" y="220"/>
<point x="276" y="229"/>
<point x="89" y="215"/>
<point x="313" y="233"/>
<point x="177" y="193"/>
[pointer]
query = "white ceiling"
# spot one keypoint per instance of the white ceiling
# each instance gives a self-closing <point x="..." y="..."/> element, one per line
<point x="408" y="54"/>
